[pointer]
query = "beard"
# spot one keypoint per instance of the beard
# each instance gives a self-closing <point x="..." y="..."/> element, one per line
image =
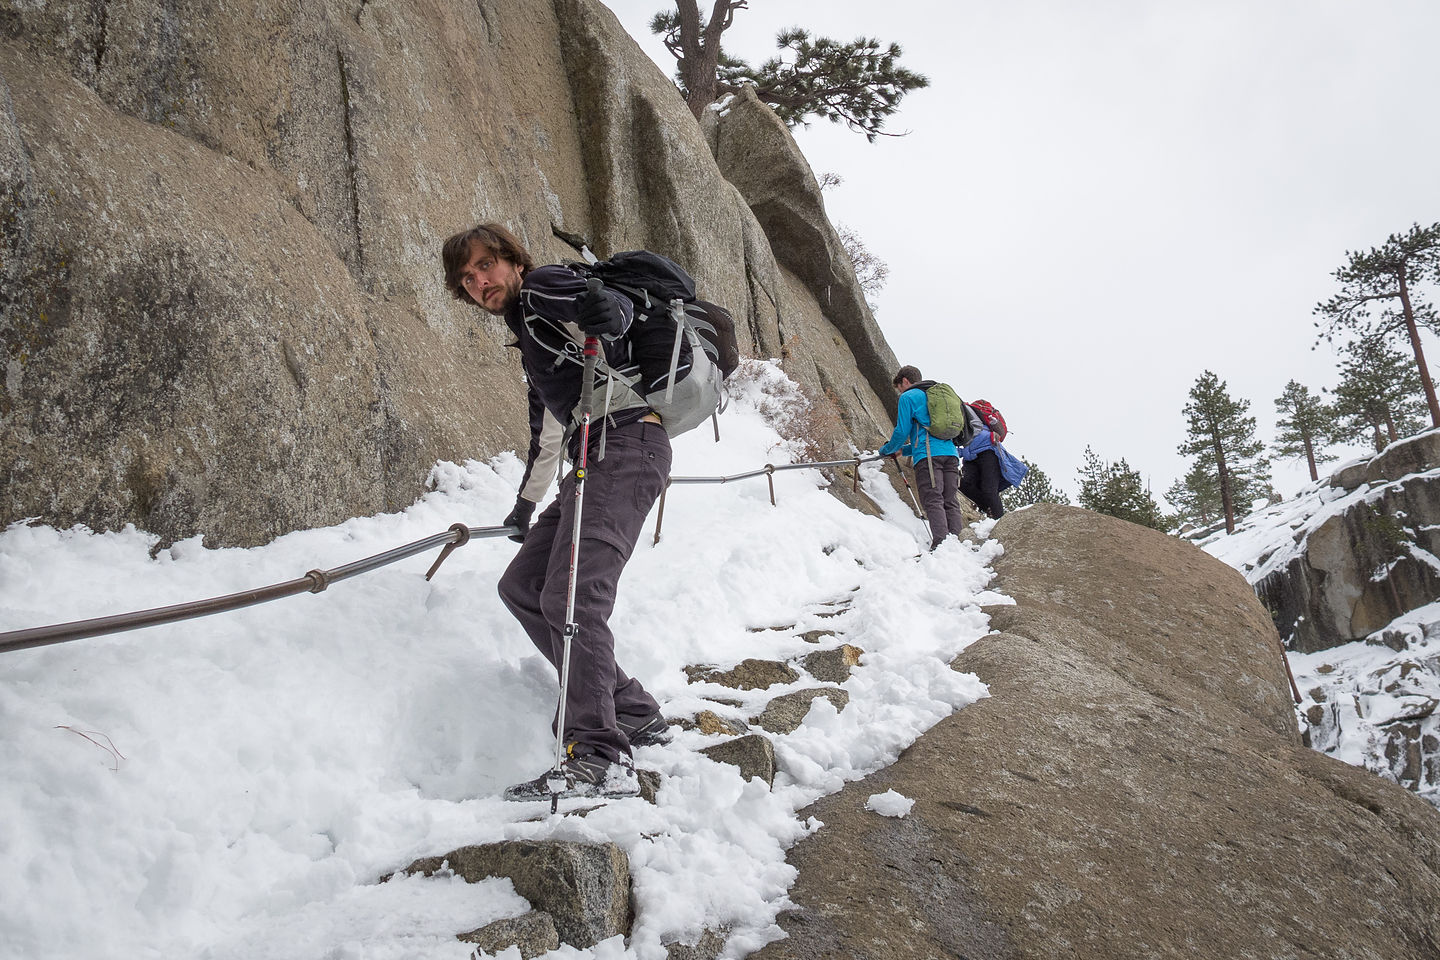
<point x="497" y="300"/>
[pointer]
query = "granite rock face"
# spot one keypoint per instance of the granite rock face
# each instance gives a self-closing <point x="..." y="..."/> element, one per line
<point x="835" y="336"/>
<point x="1134" y="786"/>
<point x="1372" y="562"/>
<point x="219" y="234"/>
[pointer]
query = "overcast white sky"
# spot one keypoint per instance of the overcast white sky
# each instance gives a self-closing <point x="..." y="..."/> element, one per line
<point x="1097" y="202"/>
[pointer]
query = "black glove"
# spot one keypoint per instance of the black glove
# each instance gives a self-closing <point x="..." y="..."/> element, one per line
<point x="598" y="314"/>
<point x="520" y="518"/>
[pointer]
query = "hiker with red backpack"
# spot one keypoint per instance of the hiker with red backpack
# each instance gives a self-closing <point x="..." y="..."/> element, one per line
<point x="989" y="467"/>
<point x="918" y="436"/>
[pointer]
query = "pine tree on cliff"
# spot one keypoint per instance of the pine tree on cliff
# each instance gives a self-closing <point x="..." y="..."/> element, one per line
<point x="1118" y="491"/>
<point x="1196" y="496"/>
<point x="1222" y="440"/>
<point x="1304" y="427"/>
<point x="859" y="83"/>
<point x="1388" y="275"/>
<point x="1035" y="488"/>
<point x="1379" y="392"/>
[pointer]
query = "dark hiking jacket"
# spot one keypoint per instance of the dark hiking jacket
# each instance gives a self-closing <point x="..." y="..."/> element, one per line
<point x="551" y="344"/>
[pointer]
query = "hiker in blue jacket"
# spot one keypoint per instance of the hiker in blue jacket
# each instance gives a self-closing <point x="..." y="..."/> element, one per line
<point x="939" y="481"/>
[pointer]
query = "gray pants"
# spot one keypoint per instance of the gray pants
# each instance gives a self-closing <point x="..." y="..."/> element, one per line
<point x="940" y="500"/>
<point x="619" y="491"/>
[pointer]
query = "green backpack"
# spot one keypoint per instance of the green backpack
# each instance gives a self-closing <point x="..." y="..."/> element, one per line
<point x="947" y="412"/>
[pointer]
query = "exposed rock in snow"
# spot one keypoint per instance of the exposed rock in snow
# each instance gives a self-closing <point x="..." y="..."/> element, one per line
<point x="1349" y="570"/>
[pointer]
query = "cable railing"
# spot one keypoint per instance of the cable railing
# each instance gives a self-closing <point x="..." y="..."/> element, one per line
<point x="768" y="472"/>
<point x="317" y="581"/>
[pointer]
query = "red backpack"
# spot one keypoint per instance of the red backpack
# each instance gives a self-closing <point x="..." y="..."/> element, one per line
<point x="990" y="417"/>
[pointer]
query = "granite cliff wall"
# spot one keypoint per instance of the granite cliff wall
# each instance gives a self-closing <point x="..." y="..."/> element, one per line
<point x="222" y="312"/>
<point x="1370" y="562"/>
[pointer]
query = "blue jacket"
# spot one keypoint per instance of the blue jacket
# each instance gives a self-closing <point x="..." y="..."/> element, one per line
<point x="1011" y="468"/>
<point x="910" y="436"/>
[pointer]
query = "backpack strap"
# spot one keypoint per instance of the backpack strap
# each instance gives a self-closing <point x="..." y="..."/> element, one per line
<point x="677" y="313"/>
<point x="629" y="396"/>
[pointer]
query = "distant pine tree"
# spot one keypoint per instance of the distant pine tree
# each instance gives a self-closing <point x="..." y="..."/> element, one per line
<point x="1222" y="440"/>
<point x="1388" y="275"/>
<point x="1304" y="427"/>
<point x="859" y="84"/>
<point x="1035" y="488"/>
<point x="1118" y="491"/>
<point x="1379" y="392"/>
<point x="1196" y="497"/>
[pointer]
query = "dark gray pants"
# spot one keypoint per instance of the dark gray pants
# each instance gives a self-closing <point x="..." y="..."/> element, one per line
<point x="619" y="491"/>
<point x="940" y="499"/>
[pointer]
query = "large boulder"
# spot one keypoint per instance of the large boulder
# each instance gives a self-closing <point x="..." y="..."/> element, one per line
<point x="1415" y="454"/>
<point x="1133" y="787"/>
<point x="584" y="888"/>
<point x="1370" y="562"/>
<point x="757" y="154"/>
<point x="824" y="331"/>
<point x="222" y="310"/>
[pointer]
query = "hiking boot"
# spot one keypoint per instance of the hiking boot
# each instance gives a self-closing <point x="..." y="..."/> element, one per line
<point x="585" y="775"/>
<point x="651" y="733"/>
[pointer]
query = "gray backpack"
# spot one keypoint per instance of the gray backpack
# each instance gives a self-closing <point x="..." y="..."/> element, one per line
<point x="681" y="348"/>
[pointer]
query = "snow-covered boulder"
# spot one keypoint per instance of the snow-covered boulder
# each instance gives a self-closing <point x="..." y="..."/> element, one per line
<point x="583" y="887"/>
<point x="1415" y="454"/>
<point x="1360" y="562"/>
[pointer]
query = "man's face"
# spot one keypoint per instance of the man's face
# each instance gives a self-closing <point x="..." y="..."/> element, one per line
<point x="491" y="281"/>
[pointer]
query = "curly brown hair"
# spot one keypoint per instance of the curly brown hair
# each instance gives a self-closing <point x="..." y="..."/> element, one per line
<point x="456" y="252"/>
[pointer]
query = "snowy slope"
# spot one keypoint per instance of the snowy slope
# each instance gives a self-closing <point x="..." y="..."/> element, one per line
<point x="1371" y="703"/>
<point x="233" y="787"/>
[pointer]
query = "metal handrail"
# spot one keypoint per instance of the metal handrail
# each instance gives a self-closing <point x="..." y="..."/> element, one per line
<point x="768" y="471"/>
<point x="315" y="581"/>
<point x="772" y="468"/>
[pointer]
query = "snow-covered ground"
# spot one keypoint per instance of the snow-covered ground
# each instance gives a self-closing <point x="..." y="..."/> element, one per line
<point x="1370" y="703"/>
<point x="233" y="787"/>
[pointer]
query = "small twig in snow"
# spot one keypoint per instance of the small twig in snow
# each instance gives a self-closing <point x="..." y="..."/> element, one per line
<point x="108" y="745"/>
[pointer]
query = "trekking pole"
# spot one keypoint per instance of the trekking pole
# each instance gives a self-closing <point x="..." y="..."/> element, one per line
<point x="556" y="781"/>
<point x="908" y="489"/>
<point x="920" y="514"/>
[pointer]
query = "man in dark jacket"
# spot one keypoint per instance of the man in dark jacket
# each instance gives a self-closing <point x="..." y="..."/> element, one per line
<point x="550" y="312"/>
